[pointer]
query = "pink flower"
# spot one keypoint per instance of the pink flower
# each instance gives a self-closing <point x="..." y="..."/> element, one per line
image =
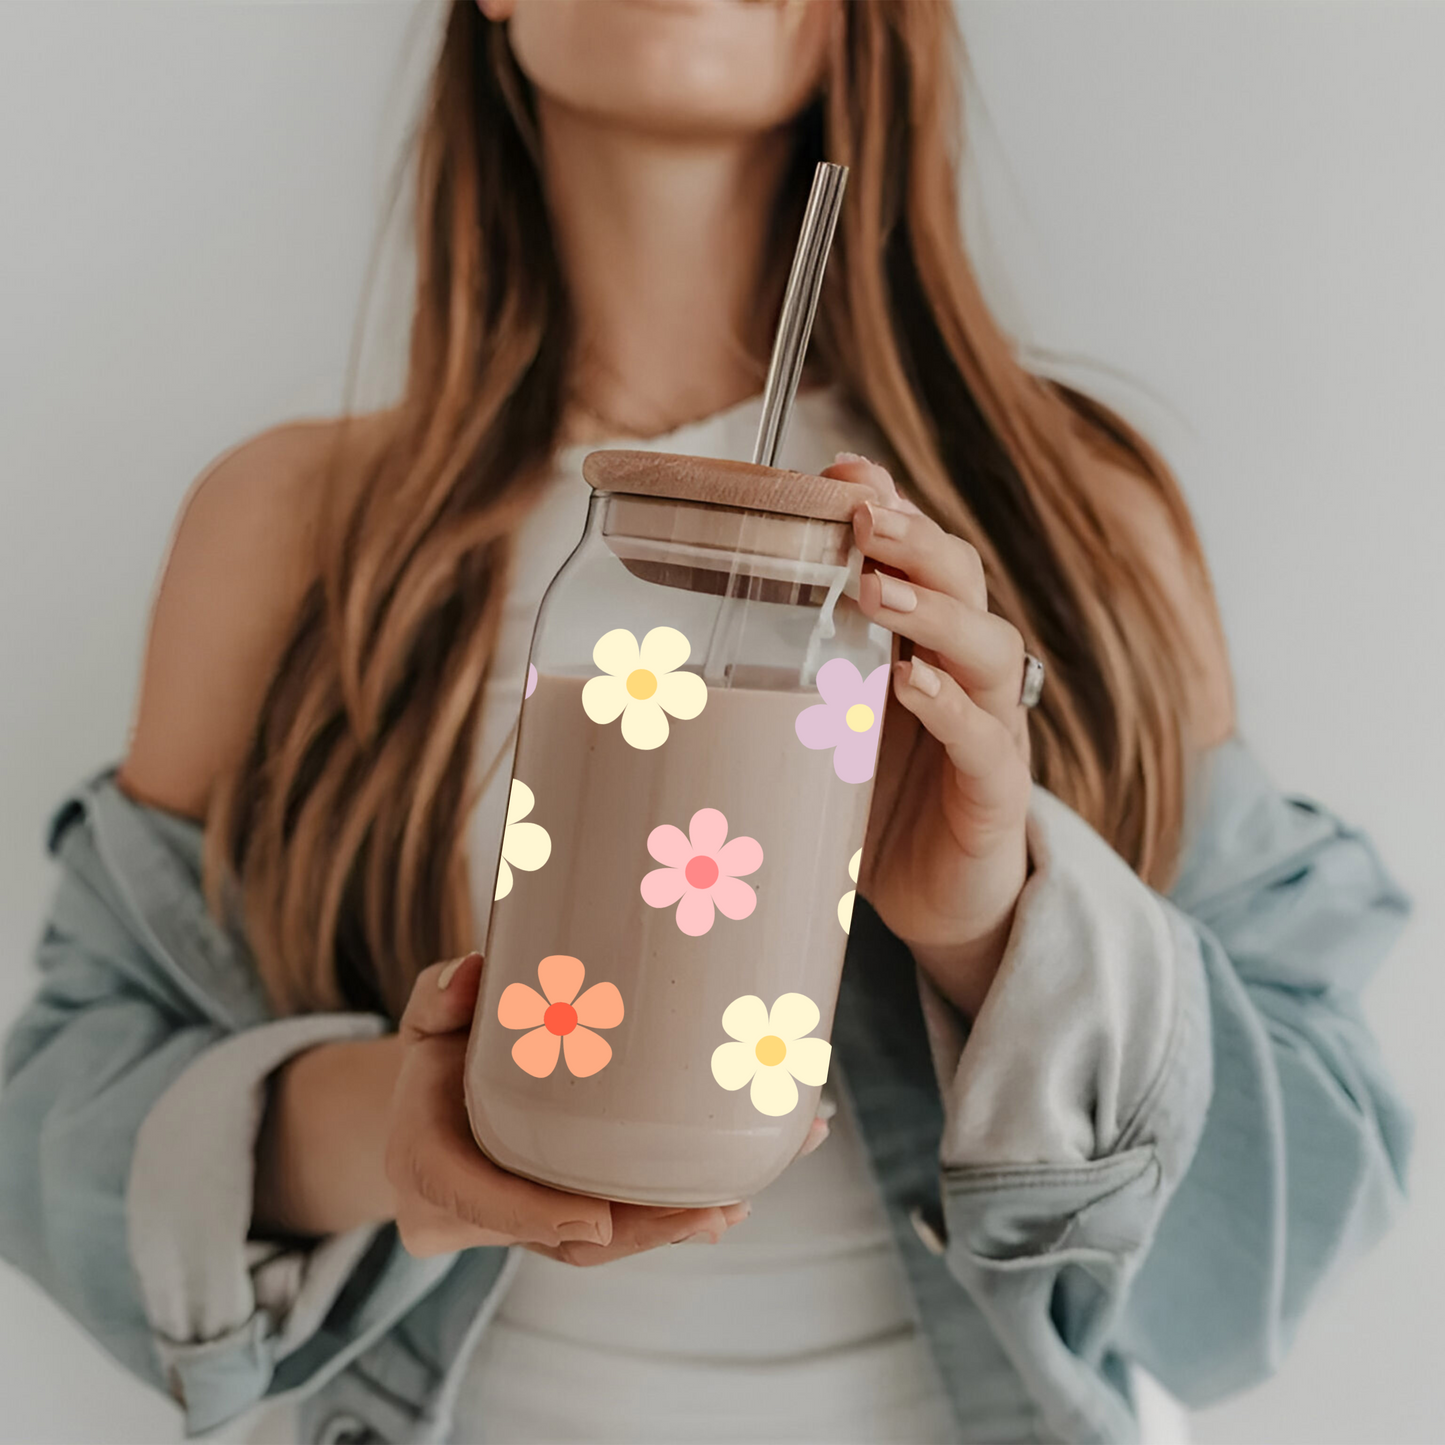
<point x="702" y="870"/>
<point x="556" y="1021"/>
<point x="531" y="680"/>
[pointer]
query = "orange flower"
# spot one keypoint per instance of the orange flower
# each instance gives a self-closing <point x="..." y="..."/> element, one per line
<point x="557" y="1021"/>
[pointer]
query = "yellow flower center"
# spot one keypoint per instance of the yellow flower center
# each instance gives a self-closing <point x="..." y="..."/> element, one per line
<point x="770" y="1050"/>
<point x="859" y="717"/>
<point x="641" y="683"/>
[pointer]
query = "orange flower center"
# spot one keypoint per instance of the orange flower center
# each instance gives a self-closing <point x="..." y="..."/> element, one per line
<point x="700" y="872"/>
<point x="560" y="1018"/>
<point x="641" y="683"/>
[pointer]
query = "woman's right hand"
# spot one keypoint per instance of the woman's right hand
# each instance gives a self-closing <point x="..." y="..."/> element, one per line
<point x="448" y="1195"/>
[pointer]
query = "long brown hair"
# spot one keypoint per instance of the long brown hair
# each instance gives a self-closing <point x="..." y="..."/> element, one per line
<point x="344" y="825"/>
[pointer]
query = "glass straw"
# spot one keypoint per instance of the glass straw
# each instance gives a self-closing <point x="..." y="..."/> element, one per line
<point x="800" y="302"/>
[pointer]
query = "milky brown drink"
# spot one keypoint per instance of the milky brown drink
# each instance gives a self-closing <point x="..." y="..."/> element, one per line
<point x="689" y="799"/>
<point x="629" y="1130"/>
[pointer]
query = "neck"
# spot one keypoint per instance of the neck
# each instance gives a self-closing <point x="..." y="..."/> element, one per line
<point x="661" y="241"/>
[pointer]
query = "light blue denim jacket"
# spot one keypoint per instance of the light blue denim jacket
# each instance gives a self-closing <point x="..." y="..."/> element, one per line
<point x="1167" y="1127"/>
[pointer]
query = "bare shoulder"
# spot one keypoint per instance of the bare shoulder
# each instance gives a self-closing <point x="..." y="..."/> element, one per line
<point x="240" y="562"/>
<point x="1133" y="504"/>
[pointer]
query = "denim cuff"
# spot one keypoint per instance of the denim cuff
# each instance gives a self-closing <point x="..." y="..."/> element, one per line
<point x="224" y="1308"/>
<point x="1099" y="998"/>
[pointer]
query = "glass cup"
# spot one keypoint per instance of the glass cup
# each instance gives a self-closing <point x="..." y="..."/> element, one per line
<point x="694" y="767"/>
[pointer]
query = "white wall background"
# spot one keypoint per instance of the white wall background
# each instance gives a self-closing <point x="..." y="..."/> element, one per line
<point x="1234" y="211"/>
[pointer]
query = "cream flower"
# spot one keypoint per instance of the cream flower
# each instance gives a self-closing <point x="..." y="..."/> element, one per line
<point x="643" y="684"/>
<point x="770" y="1050"/>
<point x="524" y="845"/>
<point x="845" y="903"/>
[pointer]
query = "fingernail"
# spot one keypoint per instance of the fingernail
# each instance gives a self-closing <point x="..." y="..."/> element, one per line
<point x="736" y="1213"/>
<point x="447" y="974"/>
<point x="849" y="457"/>
<point x="581" y="1231"/>
<point x="885" y="522"/>
<point x="895" y="594"/>
<point x="917" y="673"/>
<point x="814" y="1139"/>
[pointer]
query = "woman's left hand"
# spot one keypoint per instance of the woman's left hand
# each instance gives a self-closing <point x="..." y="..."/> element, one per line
<point x="946" y="856"/>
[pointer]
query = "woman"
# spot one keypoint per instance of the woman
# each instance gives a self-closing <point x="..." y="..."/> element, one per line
<point x="1085" y="1126"/>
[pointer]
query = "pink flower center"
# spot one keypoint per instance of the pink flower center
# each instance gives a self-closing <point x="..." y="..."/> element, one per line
<point x="560" y="1018"/>
<point x="700" y="872"/>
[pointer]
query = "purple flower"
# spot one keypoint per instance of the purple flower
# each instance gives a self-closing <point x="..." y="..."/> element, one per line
<point x="849" y="718"/>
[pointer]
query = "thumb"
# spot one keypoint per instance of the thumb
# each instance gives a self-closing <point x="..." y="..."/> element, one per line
<point x="443" y="999"/>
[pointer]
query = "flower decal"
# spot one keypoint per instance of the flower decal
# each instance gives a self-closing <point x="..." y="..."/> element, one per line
<point x="845" y="903"/>
<point x="848" y="720"/>
<point x="770" y="1050"/>
<point x="643" y="684"/>
<point x="702" y="871"/>
<point x="561" y="1022"/>
<point x="531" y="681"/>
<point x="524" y="845"/>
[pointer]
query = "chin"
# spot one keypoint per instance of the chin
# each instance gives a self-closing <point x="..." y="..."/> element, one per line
<point x="675" y="66"/>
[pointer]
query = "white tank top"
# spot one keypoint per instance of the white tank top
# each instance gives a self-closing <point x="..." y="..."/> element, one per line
<point x="798" y="1325"/>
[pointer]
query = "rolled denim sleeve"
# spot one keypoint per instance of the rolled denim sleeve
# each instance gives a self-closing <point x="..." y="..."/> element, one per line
<point x="211" y="1295"/>
<point x="82" y="1068"/>
<point x="1301" y="1164"/>
<point x="1070" y="1112"/>
<point x="133" y="1087"/>
<point x="1093" y="1024"/>
<point x="1169" y="1124"/>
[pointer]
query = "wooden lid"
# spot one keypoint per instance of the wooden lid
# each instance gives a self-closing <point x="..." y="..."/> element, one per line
<point x="723" y="483"/>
